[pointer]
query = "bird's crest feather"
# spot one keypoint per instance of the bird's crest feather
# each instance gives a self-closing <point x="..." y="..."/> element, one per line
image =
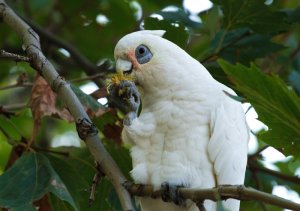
<point x="159" y="33"/>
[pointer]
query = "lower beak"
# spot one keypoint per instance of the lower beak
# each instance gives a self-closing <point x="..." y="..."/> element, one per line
<point x="124" y="66"/>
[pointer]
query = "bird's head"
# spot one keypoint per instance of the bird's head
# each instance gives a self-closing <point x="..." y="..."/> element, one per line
<point x="148" y="57"/>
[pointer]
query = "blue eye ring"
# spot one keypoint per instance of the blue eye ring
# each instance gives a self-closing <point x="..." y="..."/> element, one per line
<point x="143" y="54"/>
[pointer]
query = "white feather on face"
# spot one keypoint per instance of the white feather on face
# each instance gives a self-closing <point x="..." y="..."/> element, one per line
<point x="189" y="132"/>
<point x="168" y="60"/>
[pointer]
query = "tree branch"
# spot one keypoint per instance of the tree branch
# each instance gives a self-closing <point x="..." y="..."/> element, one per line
<point x="81" y="60"/>
<point x="216" y="194"/>
<point x="16" y="85"/>
<point x="14" y="57"/>
<point x="285" y="177"/>
<point x="40" y="63"/>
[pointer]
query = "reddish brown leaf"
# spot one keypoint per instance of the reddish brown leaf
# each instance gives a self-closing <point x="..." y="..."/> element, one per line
<point x="43" y="204"/>
<point x="43" y="101"/>
<point x="113" y="132"/>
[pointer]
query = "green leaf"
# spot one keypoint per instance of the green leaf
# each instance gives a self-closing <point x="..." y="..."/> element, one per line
<point x="28" y="180"/>
<point x="27" y="207"/>
<point x="181" y="16"/>
<point x="5" y="149"/>
<point x="294" y="15"/>
<point x="277" y="105"/>
<point x="294" y="79"/>
<point x="241" y="45"/>
<point x="58" y="204"/>
<point x="72" y="179"/>
<point x="9" y="129"/>
<point x="253" y="14"/>
<point x="87" y="100"/>
<point x="84" y="165"/>
<point x="24" y="122"/>
<point x="175" y="32"/>
<point x="235" y="97"/>
<point x="106" y="118"/>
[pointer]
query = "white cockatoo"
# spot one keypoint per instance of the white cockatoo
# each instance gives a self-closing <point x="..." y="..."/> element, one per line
<point x="189" y="132"/>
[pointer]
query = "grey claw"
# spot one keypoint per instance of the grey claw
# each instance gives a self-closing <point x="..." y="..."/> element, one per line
<point x="127" y="98"/>
<point x="171" y="194"/>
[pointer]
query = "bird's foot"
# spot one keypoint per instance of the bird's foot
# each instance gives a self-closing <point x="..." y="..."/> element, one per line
<point x="126" y="97"/>
<point x="171" y="194"/>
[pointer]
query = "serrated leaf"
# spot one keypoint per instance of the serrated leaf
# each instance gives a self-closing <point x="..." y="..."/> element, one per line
<point x="277" y="105"/>
<point x="241" y="45"/>
<point x="253" y="14"/>
<point x="175" y="32"/>
<point x="28" y="180"/>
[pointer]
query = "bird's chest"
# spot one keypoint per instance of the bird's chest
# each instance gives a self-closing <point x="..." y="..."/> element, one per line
<point x="177" y="148"/>
<point x="181" y="132"/>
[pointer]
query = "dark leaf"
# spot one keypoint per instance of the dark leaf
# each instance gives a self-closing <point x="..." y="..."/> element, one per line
<point x="28" y="180"/>
<point x="294" y="79"/>
<point x="175" y="32"/>
<point x="253" y="14"/>
<point x="181" y="16"/>
<point x="27" y="207"/>
<point x="294" y="15"/>
<point x="243" y="46"/>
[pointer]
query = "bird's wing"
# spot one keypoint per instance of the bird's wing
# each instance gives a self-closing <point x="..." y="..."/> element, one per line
<point x="228" y="143"/>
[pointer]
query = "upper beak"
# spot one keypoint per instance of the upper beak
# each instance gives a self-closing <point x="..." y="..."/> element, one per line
<point x="124" y="66"/>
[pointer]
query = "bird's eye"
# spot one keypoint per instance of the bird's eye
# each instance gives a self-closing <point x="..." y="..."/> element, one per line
<point x="143" y="54"/>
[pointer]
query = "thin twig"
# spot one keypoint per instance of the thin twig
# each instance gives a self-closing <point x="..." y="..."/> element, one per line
<point x="81" y="60"/>
<point x="96" y="180"/>
<point x="257" y="153"/>
<point x="14" y="57"/>
<point x="216" y="194"/>
<point x="259" y="187"/>
<point x="66" y="154"/>
<point x="91" y="77"/>
<point x="285" y="177"/>
<point x="13" y="107"/>
<point x="39" y="62"/>
<point x="76" y="80"/>
<point x="16" y="85"/>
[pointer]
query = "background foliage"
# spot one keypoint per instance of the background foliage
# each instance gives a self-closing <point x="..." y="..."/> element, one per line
<point x="249" y="45"/>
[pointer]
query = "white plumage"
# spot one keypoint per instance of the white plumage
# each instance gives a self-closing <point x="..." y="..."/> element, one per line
<point x="189" y="131"/>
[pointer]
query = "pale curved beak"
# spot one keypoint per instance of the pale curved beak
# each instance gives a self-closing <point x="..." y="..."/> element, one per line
<point x="124" y="66"/>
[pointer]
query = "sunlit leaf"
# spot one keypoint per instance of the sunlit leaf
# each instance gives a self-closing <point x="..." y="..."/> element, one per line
<point x="277" y="105"/>
<point x="9" y="128"/>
